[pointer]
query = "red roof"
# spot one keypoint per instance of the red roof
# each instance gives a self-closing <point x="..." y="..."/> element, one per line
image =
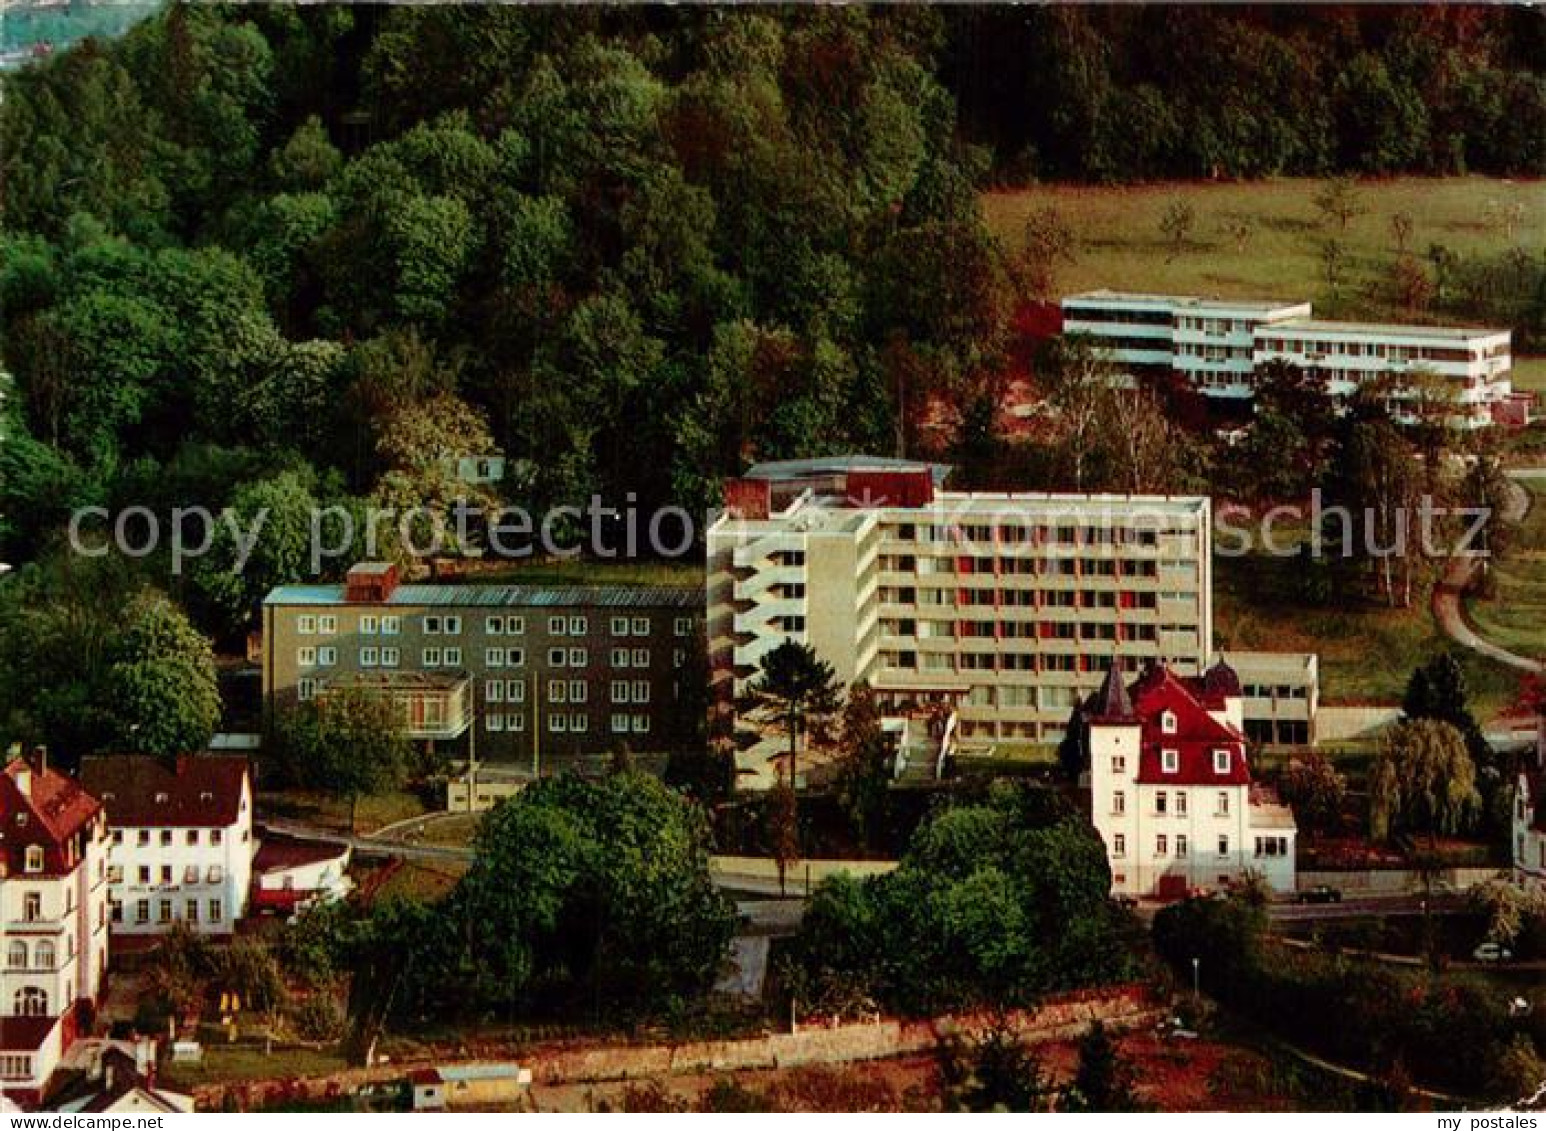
<point x="192" y="791"/>
<point x="1196" y="737"/>
<point x="25" y="1034"/>
<point x="277" y="853"/>
<point x="39" y="806"/>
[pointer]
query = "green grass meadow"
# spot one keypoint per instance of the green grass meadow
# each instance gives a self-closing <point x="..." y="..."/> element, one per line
<point x="1121" y="245"/>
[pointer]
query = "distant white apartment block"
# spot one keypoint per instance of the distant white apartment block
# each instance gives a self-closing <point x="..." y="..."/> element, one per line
<point x="1004" y="609"/>
<point x="1219" y="346"/>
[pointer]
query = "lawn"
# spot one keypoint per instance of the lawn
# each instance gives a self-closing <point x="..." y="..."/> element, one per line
<point x="1365" y="653"/>
<point x="1516" y="616"/>
<point x="328" y="811"/>
<point x="1121" y="246"/>
<point x="1530" y="375"/>
<point x="246" y="1061"/>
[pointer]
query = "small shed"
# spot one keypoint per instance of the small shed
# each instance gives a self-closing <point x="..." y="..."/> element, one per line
<point x="468" y="1086"/>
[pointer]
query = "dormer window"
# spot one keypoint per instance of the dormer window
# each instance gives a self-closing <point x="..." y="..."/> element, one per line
<point x="1170" y="761"/>
<point x="1168" y="722"/>
<point x="1221" y="761"/>
<point x="34" y="858"/>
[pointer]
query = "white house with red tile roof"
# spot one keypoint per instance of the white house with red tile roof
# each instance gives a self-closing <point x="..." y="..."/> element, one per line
<point x="53" y="921"/>
<point x="1171" y="788"/>
<point x="181" y="839"/>
<point x="290" y="871"/>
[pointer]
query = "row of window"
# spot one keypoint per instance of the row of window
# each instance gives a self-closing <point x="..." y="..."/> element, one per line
<point x="1162" y="845"/>
<point x="450" y="624"/>
<point x="191" y="837"/>
<point x="1119" y="803"/>
<point x="214" y="874"/>
<point x="1030" y="661"/>
<point x="213" y="911"/>
<point x="372" y="656"/>
<point x="41" y="956"/>
<point x="560" y="723"/>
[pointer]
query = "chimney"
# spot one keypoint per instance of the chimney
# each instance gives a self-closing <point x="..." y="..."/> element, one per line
<point x="40" y="759"/>
<point x="182" y="763"/>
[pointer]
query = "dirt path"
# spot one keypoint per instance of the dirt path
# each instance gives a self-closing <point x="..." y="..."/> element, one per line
<point x="1448" y="593"/>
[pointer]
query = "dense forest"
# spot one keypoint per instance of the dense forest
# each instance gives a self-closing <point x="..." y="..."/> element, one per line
<point x="1123" y="92"/>
<point x="259" y="254"/>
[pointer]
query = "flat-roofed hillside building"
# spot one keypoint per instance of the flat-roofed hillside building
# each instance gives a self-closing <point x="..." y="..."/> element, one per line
<point x="1005" y="608"/>
<point x="1220" y="345"/>
<point x="1473" y="364"/>
<point x="512" y="673"/>
<point x="1210" y="342"/>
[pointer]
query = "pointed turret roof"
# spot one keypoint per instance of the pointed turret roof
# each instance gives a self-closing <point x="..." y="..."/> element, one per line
<point x="1221" y="679"/>
<point x="1111" y="700"/>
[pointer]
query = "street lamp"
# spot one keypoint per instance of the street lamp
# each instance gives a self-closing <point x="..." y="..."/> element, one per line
<point x="1196" y="980"/>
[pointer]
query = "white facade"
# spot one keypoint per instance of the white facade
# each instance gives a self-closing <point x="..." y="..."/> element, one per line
<point x="1529" y="839"/>
<point x="1005" y="608"/>
<point x="1473" y="364"/>
<point x="1209" y="341"/>
<point x="1172" y="797"/>
<point x="1220" y="344"/>
<point x="53" y="920"/>
<point x="181" y="847"/>
<point x="288" y="873"/>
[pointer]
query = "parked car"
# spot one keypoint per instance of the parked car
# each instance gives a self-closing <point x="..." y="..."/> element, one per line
<point x="1492" y="952"/>
<point x="1320" y="893"/>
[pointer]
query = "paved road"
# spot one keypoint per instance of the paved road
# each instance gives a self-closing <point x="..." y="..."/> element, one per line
<point x="1448" y="608"/>
<point x="370" y="844"/>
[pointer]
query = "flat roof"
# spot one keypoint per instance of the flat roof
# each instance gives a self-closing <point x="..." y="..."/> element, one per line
<point x="835" y="465"/>
<point x="1444" y="333"/>
<point x="1205" y="302"/>
<point x="1269" y="663"/>
<point x="501" y="596"/>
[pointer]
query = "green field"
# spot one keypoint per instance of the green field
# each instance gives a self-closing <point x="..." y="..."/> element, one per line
<point x="1515" y="617"/>
<point x="1121" y="245"/>
<point x="1365" y="653"/>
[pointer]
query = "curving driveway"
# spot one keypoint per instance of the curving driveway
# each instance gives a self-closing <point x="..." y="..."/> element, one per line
<point x="1447" y="594"/>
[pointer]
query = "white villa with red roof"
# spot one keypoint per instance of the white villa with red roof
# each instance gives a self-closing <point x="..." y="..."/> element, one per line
<point x="53" y="921"/>
<point x="181" y="839"/>
<point x="1171" y="789"/>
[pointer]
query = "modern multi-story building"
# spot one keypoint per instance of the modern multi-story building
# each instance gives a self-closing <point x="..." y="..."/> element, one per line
<point x="53" y="921"/>
<point x="1219" y="345"/>
<point x="1211" y="342"/>
<point x="1472" y="366"/>
<point x="1005" y="608"/>
<point x="502" y="673"/>
<point x="1281" y="695"/>
<point x="1170" y="786"/>
<point x="181" y="840"/>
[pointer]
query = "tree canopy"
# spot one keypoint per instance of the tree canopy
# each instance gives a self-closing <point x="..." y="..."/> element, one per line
<point x="992" y="904"/>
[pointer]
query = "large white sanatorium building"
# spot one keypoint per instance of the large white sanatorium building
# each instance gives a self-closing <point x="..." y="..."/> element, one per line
<point x="1000" y="611"/>
<point x="1218" y="345"/>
